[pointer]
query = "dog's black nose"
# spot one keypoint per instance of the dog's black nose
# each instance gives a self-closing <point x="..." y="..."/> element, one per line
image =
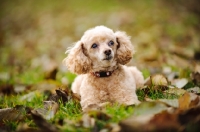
<point x="107" y="52"/>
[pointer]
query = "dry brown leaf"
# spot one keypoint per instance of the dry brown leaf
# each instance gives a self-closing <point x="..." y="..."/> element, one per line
<point x="112" y="127"/>
<point x="13" y="114"/>
<point x="178" y="120"/>
<point x="184" y="101"/>
<point x="99" y="115"/>
<point x="143" y="113"/>
<point x="47" y="85"/>
<point x="197" y="68"/>
<point x="42" y="123"/>
<point x="195" y="90"/>
<point x="24" y="127"/>
<point x="6" y="89"/>
<point x="28" y="97"/>
<point x="64" y="96"/>
<point x="92" y="107"/>
<point x="190" y="118"/>
<point x="189" y="100"/>
<point x="49" y="110"/>
<point x="87" y="121"/>
<point x="159" y="79"/>
<point x="196" y="78"/>
<point x="176" y="91"/>
<point x="163" y="121"/>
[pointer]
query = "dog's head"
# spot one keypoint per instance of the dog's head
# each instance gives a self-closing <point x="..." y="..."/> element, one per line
<point x="100" y="49"/>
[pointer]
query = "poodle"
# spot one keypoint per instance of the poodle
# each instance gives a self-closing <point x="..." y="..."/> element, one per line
<point x="99" y="59"/>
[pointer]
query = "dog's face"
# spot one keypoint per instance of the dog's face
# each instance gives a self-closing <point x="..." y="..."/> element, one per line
<point x="100" y="45"/>
<point x="100" y="49"/>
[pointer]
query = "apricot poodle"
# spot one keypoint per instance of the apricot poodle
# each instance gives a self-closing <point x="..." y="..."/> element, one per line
<point x="99" y="59"/>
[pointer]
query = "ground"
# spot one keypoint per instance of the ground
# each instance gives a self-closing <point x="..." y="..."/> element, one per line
<point x="34" y="36"/>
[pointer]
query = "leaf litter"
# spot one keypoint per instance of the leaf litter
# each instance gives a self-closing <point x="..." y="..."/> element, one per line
<point x="169" y="100"/>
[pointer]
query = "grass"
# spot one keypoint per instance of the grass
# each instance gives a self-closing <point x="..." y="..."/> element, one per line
<point x="11" y="125"/>
<point x="70" y="115"/>
<point x="71" y="111"/>
<point x="153" y="94"/>
<point x="11" y="101"/>
<point x="34" y="30"/>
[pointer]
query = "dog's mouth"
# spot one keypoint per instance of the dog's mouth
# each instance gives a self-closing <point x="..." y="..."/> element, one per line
<point x="108" y="57"/>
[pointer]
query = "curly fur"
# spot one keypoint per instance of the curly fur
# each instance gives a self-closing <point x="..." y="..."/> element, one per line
<point x="83" y="60"/>
<point x="77" y="62"/>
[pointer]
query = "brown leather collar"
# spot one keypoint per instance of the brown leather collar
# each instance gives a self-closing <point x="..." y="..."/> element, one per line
<point x="102" y="73"/>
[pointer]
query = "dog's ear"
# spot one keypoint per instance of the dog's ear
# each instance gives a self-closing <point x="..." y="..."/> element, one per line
<point x="125" y="48"/>
<point x="77" y="61"/>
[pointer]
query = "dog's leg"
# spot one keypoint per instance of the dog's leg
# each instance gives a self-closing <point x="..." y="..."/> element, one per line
<point x="89" y="97"/>
<point x="77" y="84"/>
<point x="139" y="79"/>
<point x="127" y="97"/>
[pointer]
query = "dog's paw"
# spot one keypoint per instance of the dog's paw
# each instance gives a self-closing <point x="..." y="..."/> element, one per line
<point x="99" y="106"/>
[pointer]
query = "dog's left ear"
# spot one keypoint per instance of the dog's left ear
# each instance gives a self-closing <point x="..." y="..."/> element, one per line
<point x="125" y="48"/>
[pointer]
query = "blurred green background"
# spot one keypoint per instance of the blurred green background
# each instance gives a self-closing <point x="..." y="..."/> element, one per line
<point x="34" y="34"/>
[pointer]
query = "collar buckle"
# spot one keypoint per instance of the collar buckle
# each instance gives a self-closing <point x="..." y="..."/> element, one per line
<point x="103" y="73"/>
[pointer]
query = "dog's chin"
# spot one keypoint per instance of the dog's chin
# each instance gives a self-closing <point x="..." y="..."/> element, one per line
<point x="108" y="58"/>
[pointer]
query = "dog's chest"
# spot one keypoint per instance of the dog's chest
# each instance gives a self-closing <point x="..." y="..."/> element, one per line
<point x="107" y="87"/>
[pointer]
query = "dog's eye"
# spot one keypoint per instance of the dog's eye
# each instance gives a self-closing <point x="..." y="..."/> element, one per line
<point x="94" y="45"/>
<point x="111" y="43"/>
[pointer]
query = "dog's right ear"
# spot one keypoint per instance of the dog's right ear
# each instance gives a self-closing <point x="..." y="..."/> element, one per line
<point x="77" y="61"/>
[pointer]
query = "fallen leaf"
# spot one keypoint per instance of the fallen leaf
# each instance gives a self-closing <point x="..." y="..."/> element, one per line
<point x="182" y="52"/>
<point x="64" y="96"/>
<point x="149" y="108"/>
<point x="13" y="114"/>
<point x="49" y="110"/>
<point x="143" y="113"/>
<point x="197" y="55"/>
<point x="7" y="89"/>
<point x="100" y="106"/>
<point x="112" y="127"/>
<point x="195" y="90"/>
<point x="87" y="121"/>
<point x="72" y="96"/>
<point x="171" y="76"/>
<point x="51" y="73"/>
<point x="175" y="91"/>
<point x="4" y="76"/>
<point x="197" y="68"/>
<point x="42" y="123"/>
<point x="190" y="119"/>
<point x="171" y="102"/>
<point x="159" y="79"/>
<point x="28" y="97"/>
<point x="49" y="66"/>
<point x="184" y="101"/>
<point x="99" y="115"/>
<point x="189" y="100"/>
<point x="179" y="83"/>
<point x="196" y="78"/>
<point x="19" y="88"/>
<point x="24" y="127"/>
<point x="176" y="120"/>
<point x="92" y="107"/>
<point x="163" y="121"/>
<point x="48" y="85"/>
